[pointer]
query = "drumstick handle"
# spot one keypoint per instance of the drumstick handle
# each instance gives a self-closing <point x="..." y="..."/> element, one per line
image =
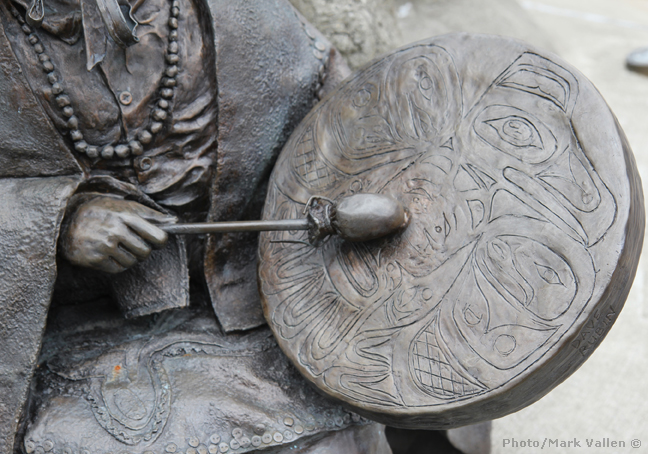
<point x="236" y="226"/>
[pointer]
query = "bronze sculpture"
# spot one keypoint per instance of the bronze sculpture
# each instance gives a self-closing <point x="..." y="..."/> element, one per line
<point x="110" y="133"/>
<point x="495" y="292"/>
<point x="116" y="137"/>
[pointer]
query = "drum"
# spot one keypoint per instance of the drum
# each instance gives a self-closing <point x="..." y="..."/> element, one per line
<point x="526" y="222"/>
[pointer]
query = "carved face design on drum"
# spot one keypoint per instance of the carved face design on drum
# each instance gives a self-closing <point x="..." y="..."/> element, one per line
<point x="520" y="173"/>
<point x="495" y="261"/>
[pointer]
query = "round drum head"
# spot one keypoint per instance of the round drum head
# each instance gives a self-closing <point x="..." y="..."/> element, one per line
<point x="526" y="227"/>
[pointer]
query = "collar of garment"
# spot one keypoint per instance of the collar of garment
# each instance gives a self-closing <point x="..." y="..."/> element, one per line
<point x="100" y="22"/>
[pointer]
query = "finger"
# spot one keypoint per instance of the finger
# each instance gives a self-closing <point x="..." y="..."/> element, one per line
<point x="109" y="265"/>
<point x="152" y="215"/>
<point x="147" y="231"/>
<point x="135" y="245"/>
<point x="123" y="257"/>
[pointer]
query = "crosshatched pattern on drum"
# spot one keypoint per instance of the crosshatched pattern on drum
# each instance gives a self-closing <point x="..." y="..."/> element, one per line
<point x="433" y="372"/>
<point x="526" y="226"/>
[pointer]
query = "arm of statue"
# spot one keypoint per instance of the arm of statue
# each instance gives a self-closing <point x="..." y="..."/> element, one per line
<point x="111" y="234"/>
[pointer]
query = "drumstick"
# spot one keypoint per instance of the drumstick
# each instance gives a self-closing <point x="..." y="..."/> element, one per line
<point x="359" y="217"/>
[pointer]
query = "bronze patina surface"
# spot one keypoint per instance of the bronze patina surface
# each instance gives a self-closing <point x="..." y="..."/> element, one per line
<point x="106" y="344"/>
<point x="473" y="224"/>
<point x="526" y="226"/>
<point x="359" y="217"/>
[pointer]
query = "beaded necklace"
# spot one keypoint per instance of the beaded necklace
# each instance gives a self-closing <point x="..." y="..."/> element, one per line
<point x="160" y="113"/>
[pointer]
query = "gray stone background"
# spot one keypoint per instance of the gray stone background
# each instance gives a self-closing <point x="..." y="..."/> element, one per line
<point x="608" y="397"/>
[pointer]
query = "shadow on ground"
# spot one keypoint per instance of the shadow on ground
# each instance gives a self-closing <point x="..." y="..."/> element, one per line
<point x="419" y="442"/>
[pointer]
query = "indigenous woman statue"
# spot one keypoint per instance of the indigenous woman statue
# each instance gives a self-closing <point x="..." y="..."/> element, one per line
<point x="116" y="117"/>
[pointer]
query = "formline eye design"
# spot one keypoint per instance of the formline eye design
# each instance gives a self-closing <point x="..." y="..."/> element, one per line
<point x="548" y="274"/>
<point x="425" y="83"/>
<point x="516" y="133"/>
<point x="362" y="97"/>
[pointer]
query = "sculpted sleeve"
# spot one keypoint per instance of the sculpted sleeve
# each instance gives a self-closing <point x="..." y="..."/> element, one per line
<point x="271" y="66"/>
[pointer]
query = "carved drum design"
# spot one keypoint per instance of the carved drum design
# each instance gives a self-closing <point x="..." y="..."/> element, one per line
<point x="526" y="228"/>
